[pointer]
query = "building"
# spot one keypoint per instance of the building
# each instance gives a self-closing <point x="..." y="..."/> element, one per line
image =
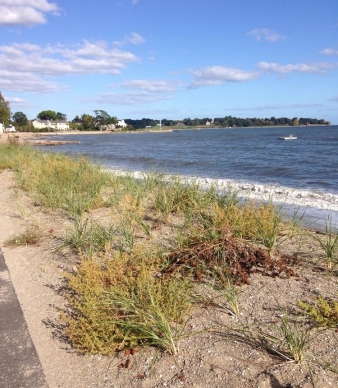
<point x="10" y="128"/>
<point x="121" y="124"/>
<point x="55" y="125"/>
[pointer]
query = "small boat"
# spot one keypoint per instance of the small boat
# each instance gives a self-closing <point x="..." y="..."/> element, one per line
<point x="290" y="137"/>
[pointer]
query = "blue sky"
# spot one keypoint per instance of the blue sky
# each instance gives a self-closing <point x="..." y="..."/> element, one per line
<point x="171" y="58"/>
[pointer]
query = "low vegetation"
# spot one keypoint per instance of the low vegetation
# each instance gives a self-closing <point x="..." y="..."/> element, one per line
<point x="143" y="247"/>
<point x="323" y="311"/>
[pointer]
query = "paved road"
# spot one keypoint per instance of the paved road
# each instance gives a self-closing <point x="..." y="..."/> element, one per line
<point x="20" y="366"/>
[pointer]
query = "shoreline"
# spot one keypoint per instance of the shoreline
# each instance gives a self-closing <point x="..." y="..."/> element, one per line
<point x="291" y="201"/>
<point x="318" y="206"/>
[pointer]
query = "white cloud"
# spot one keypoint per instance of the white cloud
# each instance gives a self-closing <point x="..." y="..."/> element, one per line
<point x="132" y="38"/>
<point x="26" y="82"/>
<point x="134" y="1"/>
<point x="86" y="58"/>
<point x="215" y="75"/>
<point x="25" y="66"/>
<point x="312" y="68"/>
<point x="17" y="102"/>
<point x="265" y="34"/>
<point x="25" y="12"/>
<point x="132" y="98"/>
<point x="329" y="51"/>
<point x="160" y="86"/>
<point x="143" y="91"/>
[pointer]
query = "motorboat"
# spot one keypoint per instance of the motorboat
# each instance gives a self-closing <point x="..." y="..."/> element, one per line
<point x="290" y="137"/>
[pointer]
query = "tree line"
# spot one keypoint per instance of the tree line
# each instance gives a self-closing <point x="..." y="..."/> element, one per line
<point x="101" y="120"/>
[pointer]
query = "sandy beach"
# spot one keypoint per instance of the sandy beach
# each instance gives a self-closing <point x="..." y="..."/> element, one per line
<point x="210" y="355"/>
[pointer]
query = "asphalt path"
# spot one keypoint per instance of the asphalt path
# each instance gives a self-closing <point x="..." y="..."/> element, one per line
<point x="20" y="366"/>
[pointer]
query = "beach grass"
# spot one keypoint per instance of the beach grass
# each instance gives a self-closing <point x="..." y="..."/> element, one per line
<point x="144" y="245"/>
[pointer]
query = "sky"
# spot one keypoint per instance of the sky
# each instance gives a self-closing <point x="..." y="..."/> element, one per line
<point x="171" y="59"/>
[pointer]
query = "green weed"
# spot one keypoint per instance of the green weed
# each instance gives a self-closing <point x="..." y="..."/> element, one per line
<point x="120" y="303"/>
<point x="329" y="243"/>
<point x="323" y="311"/>
<point x="31" y="236"/>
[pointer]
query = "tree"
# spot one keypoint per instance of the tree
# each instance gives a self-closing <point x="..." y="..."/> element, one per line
<point x="20" y="119"/>
<point x="195" y="122"/>
<point x="187" y="121"/>
<point x="5" y="111"/>
<point x="61" y="116"/>
<point x="87" y="122"/>
<point x="47" y="115"/>
<point x="76" y="119"/>
<point x="102" y="119"/>
<point x="295" y="121"/>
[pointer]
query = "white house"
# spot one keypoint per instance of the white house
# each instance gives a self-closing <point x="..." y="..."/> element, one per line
<point x="56" y="125"/>
<point x="10" y="128"/>
<point x="1" y="128"/>
<point x="122" y="124"/>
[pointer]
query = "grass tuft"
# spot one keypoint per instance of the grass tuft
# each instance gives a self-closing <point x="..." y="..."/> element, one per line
<point x="31" y="236"/>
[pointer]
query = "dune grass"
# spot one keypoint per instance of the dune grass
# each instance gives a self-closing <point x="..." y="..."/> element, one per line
<point x="129" y="235"/>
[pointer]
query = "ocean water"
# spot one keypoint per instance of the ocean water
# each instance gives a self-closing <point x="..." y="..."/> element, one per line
<point x="301" y="175"/>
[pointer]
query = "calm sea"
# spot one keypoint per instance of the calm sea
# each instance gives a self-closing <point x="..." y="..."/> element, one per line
<point x="301" y="174"/>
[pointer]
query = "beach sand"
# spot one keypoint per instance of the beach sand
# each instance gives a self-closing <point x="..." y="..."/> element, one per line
<point x="206" y="359"/>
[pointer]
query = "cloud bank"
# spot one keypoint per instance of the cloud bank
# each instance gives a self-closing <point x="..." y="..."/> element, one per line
<point x="25" y="12"/>
<point x="215" y="75"/>
<point x="24" y="66"/>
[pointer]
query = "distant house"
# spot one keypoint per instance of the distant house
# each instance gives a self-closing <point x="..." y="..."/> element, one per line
<point x="107" y="127"/>
<point x="1" y="128"/>
<point x="121" y="124"/>
<point x="10" y="128"/>
<point x="208" y="123"/>
<point x="56" y="125"/>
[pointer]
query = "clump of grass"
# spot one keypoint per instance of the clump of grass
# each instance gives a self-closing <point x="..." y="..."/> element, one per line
<point x="88" y="236"/>
<point x="119" y="302"/>
<point x="131" y="218"/>
<point x="323" y="311"/>
<point x="30" y="236"/>
<point x="175" y="196"/>
<point x="289" y="341"/>
<point x="296" y="336"/>
<point x="60" y="182"/>
<point x="231" y="295"/>
<point x="148" y="323"/>
<point x="15" y="157"/>
<point x="259" y="223"/>
<point x="328" y="243"/>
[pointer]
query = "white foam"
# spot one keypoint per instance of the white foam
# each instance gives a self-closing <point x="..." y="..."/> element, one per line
<point x="246" y="190"/>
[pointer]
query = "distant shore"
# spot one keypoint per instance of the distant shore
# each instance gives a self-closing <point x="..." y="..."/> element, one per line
<point x="33" y="137"/>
